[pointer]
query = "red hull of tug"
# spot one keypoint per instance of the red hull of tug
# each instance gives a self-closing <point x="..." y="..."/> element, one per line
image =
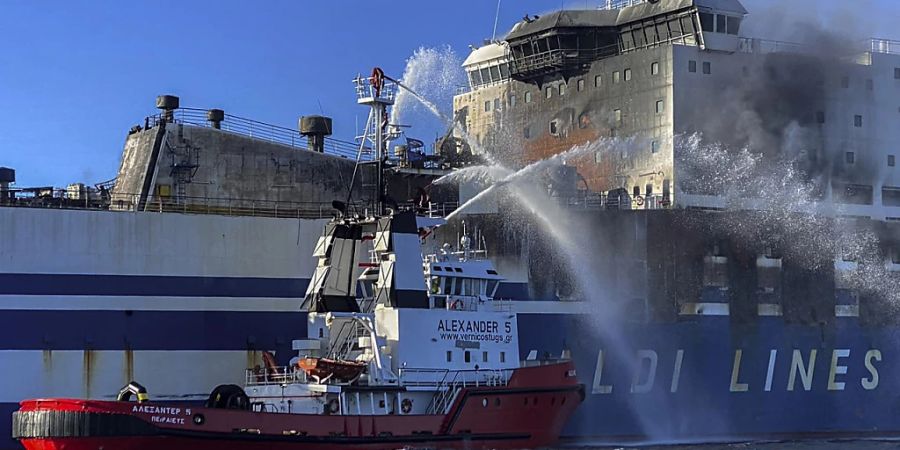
<point x="529" y="412"/>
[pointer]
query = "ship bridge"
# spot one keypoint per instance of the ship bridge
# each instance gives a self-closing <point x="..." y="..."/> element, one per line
<point x="565" y="43"/>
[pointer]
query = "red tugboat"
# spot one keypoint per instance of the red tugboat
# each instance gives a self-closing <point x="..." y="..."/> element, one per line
<point x="401" y="351"/>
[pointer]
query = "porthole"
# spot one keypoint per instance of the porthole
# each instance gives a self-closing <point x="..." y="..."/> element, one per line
<point x="484" y="402"/>
<point x="199" y="419"/>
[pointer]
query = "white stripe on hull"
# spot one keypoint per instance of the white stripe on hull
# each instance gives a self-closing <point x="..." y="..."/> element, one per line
<point x="130" y="303"/>
<point x="167" y="375"/>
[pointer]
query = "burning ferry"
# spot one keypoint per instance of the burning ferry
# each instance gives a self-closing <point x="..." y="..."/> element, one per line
<point x="739" y="231"/>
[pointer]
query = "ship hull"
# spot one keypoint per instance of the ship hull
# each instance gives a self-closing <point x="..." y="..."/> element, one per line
<point x="529" y="412"/>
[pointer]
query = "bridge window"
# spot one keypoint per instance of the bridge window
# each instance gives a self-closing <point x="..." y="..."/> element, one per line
<point x="491" y="287"/>
<point x="448" y="286"/>
<point x="485" y="75"/>
<point x="721" y="21"/>
<point x="734" y="25"/>
<point x="495" y="73"/>
<point x="475" y="78"/>
<point x="504" y="71"/>
<point x="707" y="21"/>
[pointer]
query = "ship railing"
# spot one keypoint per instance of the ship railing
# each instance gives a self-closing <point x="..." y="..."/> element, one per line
<point x="886" y="46"/>
<point x="619" y="4"/>
<point x="614" y="201"/>
<point x="253" y="129"/>
<point x="447" y="383"/>
<point x="274" y="376"/>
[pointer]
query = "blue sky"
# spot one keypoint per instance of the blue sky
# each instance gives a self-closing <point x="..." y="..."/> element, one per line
<point x="75" y="76"/>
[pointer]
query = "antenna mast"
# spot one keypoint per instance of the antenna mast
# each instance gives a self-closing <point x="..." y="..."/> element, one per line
<point x="377" y="92"/>
<point x="496" y="20"/>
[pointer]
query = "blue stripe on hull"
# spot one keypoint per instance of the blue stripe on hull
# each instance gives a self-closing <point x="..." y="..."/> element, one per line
<point x="149" y="330"/>
<point x="150" y="286"/>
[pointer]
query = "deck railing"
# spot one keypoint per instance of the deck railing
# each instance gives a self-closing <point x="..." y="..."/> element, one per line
<point x="255" y="129"/>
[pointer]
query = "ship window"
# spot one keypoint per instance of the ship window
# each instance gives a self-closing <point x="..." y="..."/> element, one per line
<point x="666" y="189"/>
<point x="457" y="286"/>
<point x="485" y="76"/>
<point x="870" y="85"/>
<point x="857" y="121"/>
<point x="845" y="82"/>
<point x="720" y="23"/>
<point x="469" y="287"/>
<point x="636" y="191"/>
<point x="512" y="101"/>
<point x="496" y="103"/>
<point x="707" y="67"/>
<point x="527" y="133"/>
<point x="654" y="147"/>
<point x="706" y="22"/>
<point x="449" y="356"/>
<point x="639" y="39"/>
<point x="491" y="287"/>
<point x="617" y="117"/>
<point x="820" y="116"/>
<point x="562" y="89"/>
<point x="660" y="106"/>
<point x="627" y="74"/>
<point x="850" y="157"/>
<point x="487" y="106"/>
<point x="528" y="97"/>
<point x="580" y="84"/>
<point x="598" y="81"/>
<point x="495" y="73"/>
<point x="503" y="357"/>
<point x="474" y="78"/>
<point x="435" y="285"/>
<point x="648" y="189"/>
<point x="891" y="161"/>
<point x="468" y="356"/>
<point x="617" y="76"/>
<point x="734" y="25"/>
<point x="897" y="73"/>
<point x="504" y="71"/>
<point x="548" y="92"/>
<point x="654" y="68"/>
<point x="484" y="357"/>
<point x="692" y="66"/>
<point x="448" y="286"/>
<point x="598" y="157"/>
<point x="554" y="128"/>
<point x="675" y="27"/>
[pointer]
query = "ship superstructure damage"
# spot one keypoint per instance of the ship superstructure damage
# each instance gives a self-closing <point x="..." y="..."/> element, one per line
<point x="769" y="163"/>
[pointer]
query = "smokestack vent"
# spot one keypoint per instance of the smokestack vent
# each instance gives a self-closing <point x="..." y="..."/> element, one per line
<point x="7" y="175"/>
<point x="215" y="117"/>
<point x="167" y="102"/>
<point x="315" y="128"/>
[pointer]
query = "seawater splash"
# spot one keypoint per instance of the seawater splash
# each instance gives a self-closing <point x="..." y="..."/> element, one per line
<point x="567" y="233"/>
<point x="788" y="209"/>
<point x="435" y="73"/>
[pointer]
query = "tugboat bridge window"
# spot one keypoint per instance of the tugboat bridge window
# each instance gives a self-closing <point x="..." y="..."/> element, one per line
<point x="707" y="22"/>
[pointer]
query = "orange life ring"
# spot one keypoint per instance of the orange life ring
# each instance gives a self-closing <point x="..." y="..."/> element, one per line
<point x="638" y="200"/>
<point x="456" y="305"/>
<point x="406" y="406"/>
<point x="377" y="80"/>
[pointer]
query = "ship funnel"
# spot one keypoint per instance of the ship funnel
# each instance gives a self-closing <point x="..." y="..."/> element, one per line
<point x="315" y="128"/>
<point x="168" y="104"/>
<point x="215" y="118"/>
<point x="7" y="176"/>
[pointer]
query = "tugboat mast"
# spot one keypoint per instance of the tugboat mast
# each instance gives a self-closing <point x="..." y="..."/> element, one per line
<point x="377" y="92"/>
